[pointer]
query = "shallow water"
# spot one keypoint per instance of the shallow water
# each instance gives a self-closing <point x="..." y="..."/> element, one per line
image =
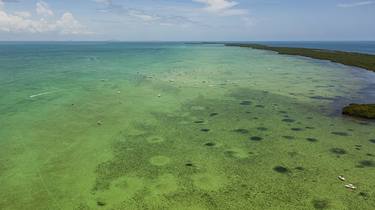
<point x="174" y="126"/>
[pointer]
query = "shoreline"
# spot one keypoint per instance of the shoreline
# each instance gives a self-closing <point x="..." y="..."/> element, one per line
<point x="364" y="61"/>
<point x="361" y="60"/>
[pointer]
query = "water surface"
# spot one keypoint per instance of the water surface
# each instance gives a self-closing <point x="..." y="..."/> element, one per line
<point x="174" y="126"/>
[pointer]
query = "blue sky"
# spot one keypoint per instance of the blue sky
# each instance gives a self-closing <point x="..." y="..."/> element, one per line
<point x="184" y="20"/>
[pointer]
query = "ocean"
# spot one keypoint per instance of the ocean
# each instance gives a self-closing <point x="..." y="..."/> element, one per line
<point x="115" y="125"/>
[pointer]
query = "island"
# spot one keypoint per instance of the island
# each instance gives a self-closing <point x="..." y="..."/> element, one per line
<point x="361" y="60"/>
<point x="365" y="61"/>
<point x="360" y="110"/>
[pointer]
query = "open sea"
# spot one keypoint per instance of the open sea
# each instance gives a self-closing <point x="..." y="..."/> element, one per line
<point x="113" y="125"/>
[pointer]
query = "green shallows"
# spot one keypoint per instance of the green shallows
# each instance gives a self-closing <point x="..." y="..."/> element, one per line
<point x="170" y="126"/>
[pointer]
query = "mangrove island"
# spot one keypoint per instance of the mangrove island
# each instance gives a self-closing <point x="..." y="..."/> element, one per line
<point x="361" y="60"/>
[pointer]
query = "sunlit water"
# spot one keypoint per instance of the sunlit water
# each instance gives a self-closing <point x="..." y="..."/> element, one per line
<point x="175" y="126"/>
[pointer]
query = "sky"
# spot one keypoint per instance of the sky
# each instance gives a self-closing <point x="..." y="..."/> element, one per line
<point x="187" y="20"/>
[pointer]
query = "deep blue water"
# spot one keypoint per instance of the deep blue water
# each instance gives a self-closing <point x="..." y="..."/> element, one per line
<point x="349" y="46"/>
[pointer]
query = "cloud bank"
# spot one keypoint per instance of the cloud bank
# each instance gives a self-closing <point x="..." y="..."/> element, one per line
<point x="44" y="21"/>
<point x="222" y="7"/>
<point x="355" y="4"/>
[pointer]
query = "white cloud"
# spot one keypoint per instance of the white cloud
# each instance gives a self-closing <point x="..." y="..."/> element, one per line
<point x="143" y="16"/>
<point x="23" y="22"/>
<point x="222" y="7"/>
<point x="355" y="4"/>
<point x="42" y="8"/>
<point x="216" y="5"/>
<point x="23" y="14"/>
<point x="16" y="23"/>
<point x="103" y="1"/>
<point x="67" y="24"/>
<point x="182" y="17"/>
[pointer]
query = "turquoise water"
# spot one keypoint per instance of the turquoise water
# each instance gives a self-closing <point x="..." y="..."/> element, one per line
<point x="173" y="126"/>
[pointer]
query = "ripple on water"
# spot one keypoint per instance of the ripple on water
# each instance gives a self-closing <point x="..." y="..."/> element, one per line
<point x="366" y="163"/>
<point x="155" y="139"/>
<point x="288" y="120"/>
<point x="299" y="168"/>
<point x="289" y="137"/>
<point x="338" y="151"/>
<point x="262" y="129"/>
<point x="198" y="108"/>
<point x="245" y="103"/>
<point x="214" y="114"/>
<point x="310" y="139"/>
<point x="320" y="204"/>
<point x="236" y="153"/>
<point x="339" y="133"/>
<point x="164" y="184"/>
<point x="209" y="181"/>
<point x="159" y="160"/>
<point x="241" y="130"/>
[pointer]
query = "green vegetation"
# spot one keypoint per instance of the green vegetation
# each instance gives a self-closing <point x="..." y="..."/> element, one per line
<point x="360" y="110"/>
<point x="361" y="60"/>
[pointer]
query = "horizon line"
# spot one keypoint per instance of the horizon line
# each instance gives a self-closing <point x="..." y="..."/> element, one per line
<point x="219" y="41"/>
